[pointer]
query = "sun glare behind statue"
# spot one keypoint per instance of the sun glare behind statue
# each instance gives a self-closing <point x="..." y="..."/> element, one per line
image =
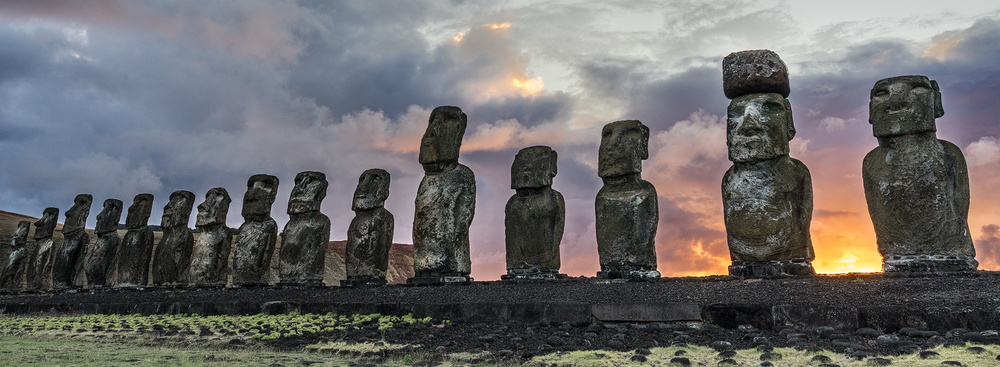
<point x="850" y="263"/>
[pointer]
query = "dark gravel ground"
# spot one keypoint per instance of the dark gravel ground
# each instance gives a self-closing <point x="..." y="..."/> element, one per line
<point x="518" y="341"/>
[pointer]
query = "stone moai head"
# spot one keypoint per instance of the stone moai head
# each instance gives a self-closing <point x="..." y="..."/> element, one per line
<point x="443" y="137"/>
<point x="47" y="224"/>
<point x="138" y="213"/>
<point x="177" y="212"/>
<point x="624" y="145"/>
<point x="261" y="191"/>
<point x="533" y="167"/>
<point x="759" y="122"/>
<point x="904" y="105"/>
<point x="308" y="193"/>
<point x="21" y="233"/>
<point x="76" y="216"/>
<point x="215" y="207"/>
<point x="372" y="190"/>
<point x="108" y="218"/>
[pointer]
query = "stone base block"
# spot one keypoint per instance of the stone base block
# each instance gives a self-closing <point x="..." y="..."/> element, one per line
<point x="363" y="282"/>
<point x="632" y="274"/>
<point x="929" y="264"/>
<point x="439" y="279"/>
<point x="772" y="269"/>
<point x="301" y="284"/>
<point x="533" y="274"/>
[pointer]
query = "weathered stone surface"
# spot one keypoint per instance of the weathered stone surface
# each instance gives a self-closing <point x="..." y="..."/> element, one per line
<point x="766" y="195"/>
<point x="445" y="202"/>
<point x="69" y="259"/>
<point x="916" y="185"/>
<point x="626" y="206"/>
<point x="45" y="251"/>
<point x="754" y="71"/>
<point x="100" y="257"/>
<point x="210" y="258"/>
<point x="307" y="233"/>
<point x="136" y="250"/>
<point x="534" y="217"/>
<point x="257" y="236"/>
<point x="18" y="263"/>
<point x="370" y="235"/>
<point x="173" y="253"/>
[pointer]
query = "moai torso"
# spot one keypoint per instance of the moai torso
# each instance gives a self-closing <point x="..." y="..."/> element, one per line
<point x="173" y="253"/>
<point x="534" y="217"/>
<point x="445" y="202"/>
<point x="916" y="185"/>
<point x="626" y="207"/>
<point x="136" y="249"/>
<point x="306" y="236"/>
<point x="764" y="212"/>
<point x="100" y="257"/>
<point x="69" y="260"/>
<point x="369" y="238"/>
<point x="210" y="257"/>
<point x="17" y="264"/>
<point x="766" y="195"/>
<point x="257" y="235"/>
<point x="45" y="252"/>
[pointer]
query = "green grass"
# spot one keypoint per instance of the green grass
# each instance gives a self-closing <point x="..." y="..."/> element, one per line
<point x="192" y="340"/>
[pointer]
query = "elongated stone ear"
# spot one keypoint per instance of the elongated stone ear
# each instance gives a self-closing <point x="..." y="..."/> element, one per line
<point x="645" y="141"/>
<point x="938" y="107"/>
<point x="788" y="117"/>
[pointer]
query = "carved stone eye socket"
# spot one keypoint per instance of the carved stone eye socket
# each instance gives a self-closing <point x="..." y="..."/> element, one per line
<point x="880" y="93"/>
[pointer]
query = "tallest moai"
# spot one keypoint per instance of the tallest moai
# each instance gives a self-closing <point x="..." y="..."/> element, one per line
<point x="916" y="185"/>
<point x="766" y="195"/>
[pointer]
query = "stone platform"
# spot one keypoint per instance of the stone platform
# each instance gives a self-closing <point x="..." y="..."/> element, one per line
<point x="844" y="302"/>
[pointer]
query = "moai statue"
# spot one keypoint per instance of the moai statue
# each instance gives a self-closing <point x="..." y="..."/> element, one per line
<point x="916" y="185"/>
<point x="45" y="252"/>
<point x="210" y="258"/>
<point x="445" y="203"/>
<point x="173" y="253"/>
<point x="306" y="235"/>
<point x="534" y="217"/>
<point x="766" y="195"/>
<point x="136" y="250"/>
<point x="69" y="259"/>
<point x="369" y="237"/>
<point x="257" y="236"/>
<point x="18" y="264"/>
<point x="98" y="264"/>
<point x="627" y="210"/>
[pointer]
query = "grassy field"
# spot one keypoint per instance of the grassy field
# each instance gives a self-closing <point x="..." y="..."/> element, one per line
<point x="257" y="340"/>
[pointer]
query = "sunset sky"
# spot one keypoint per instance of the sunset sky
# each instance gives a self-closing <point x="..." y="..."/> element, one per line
<point x="116" y="98"/>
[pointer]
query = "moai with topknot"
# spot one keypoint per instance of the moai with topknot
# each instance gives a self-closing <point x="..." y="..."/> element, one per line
<point x="210" y="258"/>
<point x="44" y="256"/>
<point x="916" y="185"/>
<point x="69" y="259"/>
<point x="136" y="250"/>
<point x="18" y="263"/>
<point x="369" y="237"/>
<point x="173" y="253"/>
<point x="98" y="264"/>
<point x="766" y="195"/>
<point x="534" y="217"/>
<point x="445" y="203"/>
<point x="257" y="236"/>
<point x="306" y="236"/>
<point x="626" y="206"/>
